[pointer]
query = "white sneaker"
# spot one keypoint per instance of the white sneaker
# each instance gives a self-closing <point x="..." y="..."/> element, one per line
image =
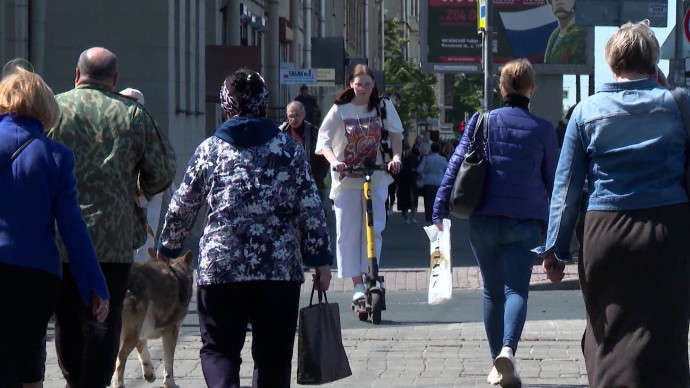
<point x="505" y="365"/>
<point x="494" y="377"/>
<point x="358" y="292"/>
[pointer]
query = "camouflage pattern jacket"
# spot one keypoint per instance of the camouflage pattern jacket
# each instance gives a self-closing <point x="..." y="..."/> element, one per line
<point x="115" y="141"/>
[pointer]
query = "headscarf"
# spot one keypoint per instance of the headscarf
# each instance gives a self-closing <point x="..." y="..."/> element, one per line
<point x="231" y="106"/>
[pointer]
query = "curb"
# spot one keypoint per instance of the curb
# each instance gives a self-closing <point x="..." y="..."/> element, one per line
<point x="564" y="285"/>
<point x="464" y="278"/>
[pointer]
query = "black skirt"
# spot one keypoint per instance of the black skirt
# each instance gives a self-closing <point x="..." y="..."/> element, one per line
<point x="634" y="276"/>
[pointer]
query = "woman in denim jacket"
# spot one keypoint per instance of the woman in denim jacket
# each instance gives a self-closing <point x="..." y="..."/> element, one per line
<point x="522" y="152"/>
<point x="628" y="141"/>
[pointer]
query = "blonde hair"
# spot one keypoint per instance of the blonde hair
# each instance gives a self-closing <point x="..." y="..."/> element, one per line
<point x="24" y="93"/>
<point x="517" y="76"/>
<point x="632" y="48"/>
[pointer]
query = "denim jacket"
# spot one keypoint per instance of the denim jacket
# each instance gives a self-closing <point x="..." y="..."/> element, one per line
<point x="629" y="142"/>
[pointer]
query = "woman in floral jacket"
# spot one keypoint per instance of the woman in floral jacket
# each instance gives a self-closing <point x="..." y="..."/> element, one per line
<point x="264" y="222"/>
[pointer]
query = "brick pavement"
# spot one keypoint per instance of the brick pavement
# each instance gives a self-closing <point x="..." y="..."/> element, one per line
<point x="448" y="355"/>
<point x="415" y="355"/>
<point x="421" y="355"/>
<point x="464" y="278"/>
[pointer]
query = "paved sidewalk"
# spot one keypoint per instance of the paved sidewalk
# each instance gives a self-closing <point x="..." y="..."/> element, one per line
<point x="420" y="355"/>
<point x="464" y="278"/>
<point x="448" y="355"/>
<point x="404" y="354"/>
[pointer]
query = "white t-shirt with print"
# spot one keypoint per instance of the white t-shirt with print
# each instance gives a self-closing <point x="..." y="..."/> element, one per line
<point x="354" y="133"/>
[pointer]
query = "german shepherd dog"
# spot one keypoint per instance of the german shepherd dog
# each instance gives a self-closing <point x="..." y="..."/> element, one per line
<point x="155" y="305"/>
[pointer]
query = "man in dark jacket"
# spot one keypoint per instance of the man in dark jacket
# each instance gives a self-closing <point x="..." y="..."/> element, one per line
<point x="306" y="134"/>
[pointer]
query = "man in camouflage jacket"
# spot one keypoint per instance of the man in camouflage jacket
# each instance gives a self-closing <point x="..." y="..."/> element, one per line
<point x="118" y="150"/>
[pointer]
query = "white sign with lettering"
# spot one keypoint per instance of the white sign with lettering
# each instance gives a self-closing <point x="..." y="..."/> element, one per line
<point x="297" y="76"/>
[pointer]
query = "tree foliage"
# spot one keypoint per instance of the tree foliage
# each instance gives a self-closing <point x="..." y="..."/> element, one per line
<point x="468" y="89"/>
<point x="404" y="77"/>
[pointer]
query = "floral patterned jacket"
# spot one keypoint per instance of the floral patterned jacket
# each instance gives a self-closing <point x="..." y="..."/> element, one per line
<point x="265" y="218"/>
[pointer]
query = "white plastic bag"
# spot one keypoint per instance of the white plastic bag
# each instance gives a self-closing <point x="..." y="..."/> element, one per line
<point x="441" y="278"/>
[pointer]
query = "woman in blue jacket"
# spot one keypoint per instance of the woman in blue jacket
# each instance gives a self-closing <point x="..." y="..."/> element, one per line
<point x="522" y="153"/>
<point x="629" y="144"/>
<point x="37" y="192"/>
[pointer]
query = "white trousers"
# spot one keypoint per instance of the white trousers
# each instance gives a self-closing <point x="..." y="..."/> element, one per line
<point x="351" y="249"/>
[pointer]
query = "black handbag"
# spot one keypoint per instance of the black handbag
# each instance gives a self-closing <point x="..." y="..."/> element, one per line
<point x="469" y="182"/>
<point x="321" y="357"/>
<point x="679" y="95"/>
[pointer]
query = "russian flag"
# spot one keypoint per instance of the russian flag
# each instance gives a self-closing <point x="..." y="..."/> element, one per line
<point x="528" y="31"/>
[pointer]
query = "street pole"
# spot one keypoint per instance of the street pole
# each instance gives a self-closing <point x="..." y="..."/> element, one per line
<point x="488" y="55"/>
<point x="365" y="46"/>
<point x="677" y="65"/>
<point x="307" y="34"/>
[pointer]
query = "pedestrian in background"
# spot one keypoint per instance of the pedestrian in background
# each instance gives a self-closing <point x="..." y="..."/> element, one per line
<point x="351" y="133"/>
<point x="408" y="192"/>
<point x="431" y="170"/>
<point x="264" y="222"/>
<point x="117" y="149"/>
<point x="424" y="143"/>
<point x="629" y="142"/>
<point x="311" y="105"/>
<point x="522" y="152"/>
<point x="37" y="193"/>
<point x="306" y="133"/>
<point x="152" y="206"/>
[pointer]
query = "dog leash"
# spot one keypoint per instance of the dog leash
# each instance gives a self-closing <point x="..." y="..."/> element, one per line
<point x="18" y="151"/>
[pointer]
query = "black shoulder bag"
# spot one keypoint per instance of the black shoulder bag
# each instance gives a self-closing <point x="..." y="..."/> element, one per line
<point x="469" y="183"/>
<point x="18" y="151"/>
<point x="381" y="112"/>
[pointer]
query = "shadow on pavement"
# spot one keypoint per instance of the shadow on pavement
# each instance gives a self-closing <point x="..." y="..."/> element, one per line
<point x="407" y="245"/>
<point x="553" y="385"/>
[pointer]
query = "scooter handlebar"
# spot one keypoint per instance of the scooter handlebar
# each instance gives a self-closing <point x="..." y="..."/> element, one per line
<point x="361" y="168"/>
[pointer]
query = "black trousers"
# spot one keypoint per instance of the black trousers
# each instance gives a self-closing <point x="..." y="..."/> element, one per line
<point x="87" y="349"/>
<point x="429" y="198"/>
<point x="29" y="298"/>
<point x="224" y="311"/>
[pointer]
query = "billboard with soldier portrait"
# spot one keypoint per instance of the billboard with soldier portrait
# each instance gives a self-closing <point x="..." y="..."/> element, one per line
<point x="543" y="31"/>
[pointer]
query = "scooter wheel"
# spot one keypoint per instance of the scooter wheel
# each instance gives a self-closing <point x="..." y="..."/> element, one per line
<point x="376" y="307"/>
<point x="363" y="316"/>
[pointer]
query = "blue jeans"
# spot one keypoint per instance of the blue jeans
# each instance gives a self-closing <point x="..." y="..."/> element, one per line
<point x="502" y="247"/>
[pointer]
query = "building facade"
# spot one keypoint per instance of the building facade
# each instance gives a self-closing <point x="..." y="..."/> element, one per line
<point x="177" y="52"/>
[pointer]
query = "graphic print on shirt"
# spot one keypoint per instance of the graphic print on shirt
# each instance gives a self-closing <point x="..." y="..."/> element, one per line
<point x="363" y="136"/>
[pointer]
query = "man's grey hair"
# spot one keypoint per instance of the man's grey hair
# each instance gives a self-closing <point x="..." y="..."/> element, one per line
<point x="297" y="105"/>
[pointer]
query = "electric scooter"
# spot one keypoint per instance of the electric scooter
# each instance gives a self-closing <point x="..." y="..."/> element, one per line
<point x="374" y="301"/>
